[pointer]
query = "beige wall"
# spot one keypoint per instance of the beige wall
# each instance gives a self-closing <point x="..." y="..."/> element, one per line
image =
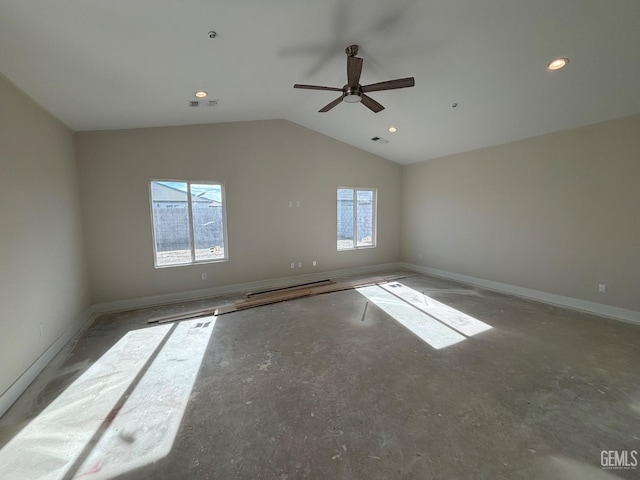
<point x="264" y="165"/>
<point x="558" y="213"/>
<point x="42" y="270"/>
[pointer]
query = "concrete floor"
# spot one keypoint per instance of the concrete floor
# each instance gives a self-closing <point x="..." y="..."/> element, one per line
<point x="310" y="389"/>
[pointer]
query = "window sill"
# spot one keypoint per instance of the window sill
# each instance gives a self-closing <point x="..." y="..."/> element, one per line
<point x="364" y="247"/>
<point x="201" y="262"/>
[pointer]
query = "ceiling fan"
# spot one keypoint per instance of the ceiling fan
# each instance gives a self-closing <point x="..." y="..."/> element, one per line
<point x="353" y="92"/>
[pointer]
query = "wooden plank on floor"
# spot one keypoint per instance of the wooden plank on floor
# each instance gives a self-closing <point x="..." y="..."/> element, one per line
<point x="184" y="316"/>
<point x="189" y="313"/>
<point x="242" y="304"/>
<point x="331" y="288"/>
<point x="289" y="288"/>
<point x="268" y="298"/>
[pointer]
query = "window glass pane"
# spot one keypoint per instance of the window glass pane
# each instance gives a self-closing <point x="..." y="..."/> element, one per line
<point x="171" y="223"/>
<point x="365" y="218"/>
<point x="345" y="218"/>
<point x="208" y="221"/>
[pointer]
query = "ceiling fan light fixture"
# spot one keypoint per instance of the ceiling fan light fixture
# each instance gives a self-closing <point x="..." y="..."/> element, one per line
<point x="558" y="63"/>
<point x="352" y="94"/>
<point x="352" y="98"/>
<point x="200" y="94"/>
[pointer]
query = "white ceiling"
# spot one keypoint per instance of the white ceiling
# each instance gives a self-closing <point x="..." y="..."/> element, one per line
<point x="136" y="63"/>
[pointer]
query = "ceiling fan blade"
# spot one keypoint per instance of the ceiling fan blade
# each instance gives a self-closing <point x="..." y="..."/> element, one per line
<point x="354" y="69"/>
<point x="317" y="87"/>
<point x="390" y="85"/>
<point x="329" y="106"/>
<point x="371" y="104"/>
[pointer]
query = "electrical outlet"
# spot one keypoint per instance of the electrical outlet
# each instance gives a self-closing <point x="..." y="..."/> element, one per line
<point x="204" y="276"/>
<point x="314" y="263"/>
<point x="299" y="264"/>
<point x="602" y="288"/>
<point x="293" y="265"/>
<point x="290" y="203"/>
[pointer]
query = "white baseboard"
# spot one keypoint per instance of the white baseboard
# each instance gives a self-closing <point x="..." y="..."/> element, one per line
<point x="623" y="314"/>
<point x="18" y="387"/>
<point x="237" y="287"/>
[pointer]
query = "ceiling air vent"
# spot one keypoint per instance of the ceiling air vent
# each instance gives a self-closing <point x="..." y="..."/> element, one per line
<point x="381" y="140"/>
<point x="203" y="103"/>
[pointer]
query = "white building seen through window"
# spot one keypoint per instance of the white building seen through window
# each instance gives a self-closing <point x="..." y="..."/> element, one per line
<point x="189" y="222"/>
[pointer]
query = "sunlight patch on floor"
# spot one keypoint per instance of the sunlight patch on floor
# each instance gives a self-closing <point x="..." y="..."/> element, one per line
<point x="427" y="328"/>
<point x="435" y="323"/>
<point x="463" y="323"/>
<point x="102" y="426"/>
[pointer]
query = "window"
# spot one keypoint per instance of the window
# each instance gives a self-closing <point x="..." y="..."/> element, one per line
<point x="356" y="218"/>
<point x="188" y="222"/>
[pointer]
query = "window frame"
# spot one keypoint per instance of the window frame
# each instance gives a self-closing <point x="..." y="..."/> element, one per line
<point x="223" y="202"/>
<point x="374" y="218"/>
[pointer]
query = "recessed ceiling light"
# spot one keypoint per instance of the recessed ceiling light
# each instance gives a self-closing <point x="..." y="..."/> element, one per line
<point x="201" y="94"/>
<point x="558" y="63"/>
<point x="393" y="129"/>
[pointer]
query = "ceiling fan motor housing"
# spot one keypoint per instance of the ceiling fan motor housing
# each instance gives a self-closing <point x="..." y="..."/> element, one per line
<point x="352" y="94"/>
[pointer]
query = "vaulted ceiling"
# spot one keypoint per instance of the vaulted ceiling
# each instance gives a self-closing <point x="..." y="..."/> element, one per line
<point x="137" y="63"/>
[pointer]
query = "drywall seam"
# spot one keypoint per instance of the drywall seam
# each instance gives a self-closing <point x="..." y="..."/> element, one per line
<point x="234" y="288"/>
<point x="616" y="313"/>
<point x="17" y="388"/>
